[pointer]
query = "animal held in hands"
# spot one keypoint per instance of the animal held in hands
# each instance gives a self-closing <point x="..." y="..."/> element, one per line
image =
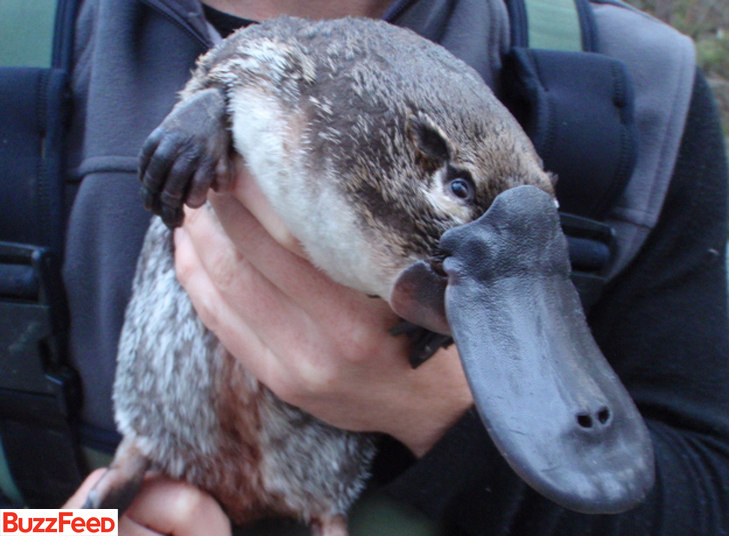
<point x="370" y="143"/>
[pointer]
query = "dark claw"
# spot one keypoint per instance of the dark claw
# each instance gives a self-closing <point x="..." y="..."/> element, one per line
<point x="148" y="149"/>
<point x="170" y="199"/>
<point x="171" y="207"/>
<point x="166" y="151"/>
<point x="150" y="199"/>
<point x="172" y="216"/>
<point x="119" y="485"/>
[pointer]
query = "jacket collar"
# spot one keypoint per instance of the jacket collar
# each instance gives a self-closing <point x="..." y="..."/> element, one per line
<point x="188" y="14"/>
<point x="474" y="30"/>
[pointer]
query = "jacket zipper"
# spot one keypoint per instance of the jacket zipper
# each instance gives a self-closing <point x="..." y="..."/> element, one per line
<point x="179" y="19"/>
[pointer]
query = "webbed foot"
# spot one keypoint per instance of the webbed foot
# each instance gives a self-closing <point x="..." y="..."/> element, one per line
<point x="184" y="155"/>
<point x="120" y="484"/>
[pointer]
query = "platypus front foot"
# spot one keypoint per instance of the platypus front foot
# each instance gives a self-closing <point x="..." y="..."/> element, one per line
<point x="184" y="155"/>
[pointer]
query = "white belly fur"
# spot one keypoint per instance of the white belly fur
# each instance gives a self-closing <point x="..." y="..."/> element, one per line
<point x="269" y="138"/>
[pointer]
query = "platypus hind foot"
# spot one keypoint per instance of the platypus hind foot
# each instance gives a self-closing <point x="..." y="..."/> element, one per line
<point x="120" y="484"/>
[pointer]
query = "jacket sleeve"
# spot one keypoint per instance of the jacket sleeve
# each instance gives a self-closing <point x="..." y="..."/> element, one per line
<point x="663" y="326"/>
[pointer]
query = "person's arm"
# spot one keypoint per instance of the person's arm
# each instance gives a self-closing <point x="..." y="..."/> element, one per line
<point x="663" y="326"/>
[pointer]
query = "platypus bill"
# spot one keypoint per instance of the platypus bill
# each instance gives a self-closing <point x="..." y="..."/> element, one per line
<point x="354" y="128"/>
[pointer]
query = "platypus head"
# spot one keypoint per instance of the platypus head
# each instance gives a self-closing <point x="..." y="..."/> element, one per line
<point x="404" y="177"/>
<point x="371" y="142"/>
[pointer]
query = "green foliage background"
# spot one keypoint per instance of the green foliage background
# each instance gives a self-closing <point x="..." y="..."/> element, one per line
<point x="707" y="22"/>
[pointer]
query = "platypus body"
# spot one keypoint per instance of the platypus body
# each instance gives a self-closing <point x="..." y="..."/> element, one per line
<point x="371" y="143"/>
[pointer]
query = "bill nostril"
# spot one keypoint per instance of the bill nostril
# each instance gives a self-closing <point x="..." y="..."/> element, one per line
<point x="603" y="415"/>
<point x="587" y="420"/>
<point x="584" y="420"/>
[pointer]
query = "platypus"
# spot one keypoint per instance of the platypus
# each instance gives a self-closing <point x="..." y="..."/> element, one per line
<point x="403" y="177"/>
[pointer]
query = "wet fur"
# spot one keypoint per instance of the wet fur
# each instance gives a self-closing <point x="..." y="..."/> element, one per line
<point x="196" y="413"/>
<point x="347" y="111"/>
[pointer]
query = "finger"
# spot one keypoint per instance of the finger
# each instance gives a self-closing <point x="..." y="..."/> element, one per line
<point x="129" y="527"/>
<point x="306" y="286"/>
<point x="79" y="497"/>
<point x="236" y="257"/>
<point x="228" y="312"/>
<point x="235" y="278"/>
<point x="253" y="320"/>
<point x="299" y="337"/>
<point x="257" y="232"/>
<point x="279" y="342"/>
<point x="177" y="508"/>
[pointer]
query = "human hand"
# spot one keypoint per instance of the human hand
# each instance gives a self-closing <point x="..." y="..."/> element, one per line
<point x="163" y="506"/>
<point x="317" y="344"/>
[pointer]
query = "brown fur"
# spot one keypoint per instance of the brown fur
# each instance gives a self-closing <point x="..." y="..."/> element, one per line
<point x="349" y="94"/>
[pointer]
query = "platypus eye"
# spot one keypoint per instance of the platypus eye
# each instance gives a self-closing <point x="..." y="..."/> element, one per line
<point x="461" y="188"/>
<point x="459" y="184"/>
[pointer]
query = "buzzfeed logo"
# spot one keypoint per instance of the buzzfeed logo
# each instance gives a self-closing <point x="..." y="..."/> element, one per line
<point x="67" y="522"/>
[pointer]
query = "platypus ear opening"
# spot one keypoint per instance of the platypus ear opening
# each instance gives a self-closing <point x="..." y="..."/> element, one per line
<point x="428" y="138"/>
